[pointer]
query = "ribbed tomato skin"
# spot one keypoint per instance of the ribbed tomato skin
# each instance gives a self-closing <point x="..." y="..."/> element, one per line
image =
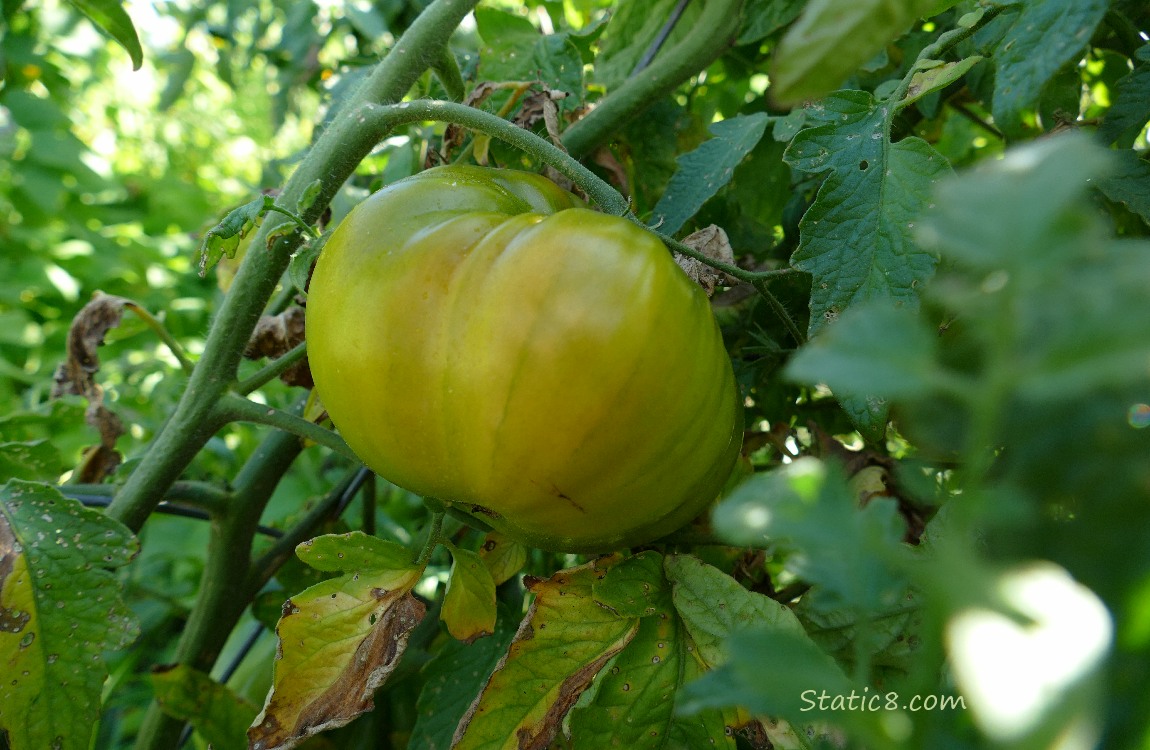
<point x="479" y="337"/>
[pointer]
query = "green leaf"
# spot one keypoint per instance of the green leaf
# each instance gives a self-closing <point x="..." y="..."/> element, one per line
<point x="340" y="639"/>
<point x="776" y="673"/>
<point x="1130" y="109"/>
<point x="60" y="609"/>
<point x="851" y="553"/>
<point x="635" y="587"/>
<point x="469" y="603"/>
<point x="110" y="17"/>
<point x="308" y="196"/>
<point x="832" y="39"/>
<point x="224" y="238"/>
<point x="354" y="550"/>
<point x="563" y="642"/>
<point x="856" y="238"/>
<point x="761" y="18"/>
<point x="219" y="715"/>
<point x="1043" y="36"/>
<point x="632" y="29"/>
<point x="34" y="112"/>
<point x="706" y="170"/>
<point x="1128" y="183"/>
<point x="635" y="697"/>
<point x="713" y="605"/>
<point x="938" y="76"/>
<point x="873" y="350"/>
<point x="33" y="460"/>
<point x="452" y="680"/>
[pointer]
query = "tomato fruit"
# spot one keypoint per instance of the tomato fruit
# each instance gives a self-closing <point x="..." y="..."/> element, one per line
<point x="480" y="337"/>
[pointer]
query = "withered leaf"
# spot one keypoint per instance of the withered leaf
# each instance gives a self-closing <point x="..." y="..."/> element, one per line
<point x="276" y="335"/>
<point x="339" y="641"/>
<point x="712" y="242"/>
<point x="76" y="376"/>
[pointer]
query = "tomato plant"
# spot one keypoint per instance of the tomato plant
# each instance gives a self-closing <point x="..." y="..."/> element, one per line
<point x="919" y="236"/>
<point x="481" y="339"/>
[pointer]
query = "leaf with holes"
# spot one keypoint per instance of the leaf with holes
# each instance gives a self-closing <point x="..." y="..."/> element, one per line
<point x="219" y="715"/>
<point x="340" y="639"/>
<point x="469" y="603"/>
<point x="707" y="169"/>
<point x="856" y="240"/>
<point x="502" y="556"/>
<point x="564" y="640"/>
<point x="60" y="609"/>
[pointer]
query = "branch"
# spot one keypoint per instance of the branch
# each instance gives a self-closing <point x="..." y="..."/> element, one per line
<point x="235" y="408"/>
<point x="712" y="34"/>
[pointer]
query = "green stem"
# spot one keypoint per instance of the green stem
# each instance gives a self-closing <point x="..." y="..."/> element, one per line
<point x="223" y="592"/>
<point x="434" y="538"/>
<point x="713" y="33"/>
<point x="302" y="225"/>
<point x="235" y="408"/>
<point x="202" y="495"/>
<point x="780" y="312"/>
<point x="334" y="157"/>
<point x="446" y="69"/>
<point x="272" y="370"/>
<point x="174" y="346"/>
<point x="387" y="118"/>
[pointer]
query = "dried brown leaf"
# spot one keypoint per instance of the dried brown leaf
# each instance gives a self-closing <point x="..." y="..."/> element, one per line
<point x="276" y="335"/>
<point x="712" y="242"/>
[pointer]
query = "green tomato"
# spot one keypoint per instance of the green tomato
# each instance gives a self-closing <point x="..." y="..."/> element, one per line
<point x="480" y="337"/>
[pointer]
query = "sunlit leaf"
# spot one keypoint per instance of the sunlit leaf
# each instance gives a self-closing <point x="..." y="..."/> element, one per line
<point x="340" y="639"/>
<point x="113" y="20"/>
<point x="60" y="609"/>
<point x="502" y="556"/>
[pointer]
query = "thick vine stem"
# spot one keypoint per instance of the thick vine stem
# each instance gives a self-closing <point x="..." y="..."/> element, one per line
<point x="712" y="34"/>
<point x="333" y="158"/>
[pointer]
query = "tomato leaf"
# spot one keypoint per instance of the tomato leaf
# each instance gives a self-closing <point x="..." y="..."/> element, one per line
<point x="1129" y="183"/>
<point x="35" y="460"/>
<point x="60" y="608"/>
<point x="564" y="640"/>
<point x="873" y="350"/>
<point x="938" y="75"/>
<point x="1043" y="36"/>
<point x="630" y="33"/>
<point x="856" y="240"/>
<point x="832" y="39"/>
<point x="340" y="639"/>
<point x="113" y="20"/>
<point x="845" y="550"/>
<point x="1131" y="103"/>
<point x="502" y="556"/>
<point x="712" y="605"/>
<point x="706" y="170"/>
<point x="761" y="18"/>
<point x="224" y="238"/>
<point x="635" y="587"/>
<point x="219" y="715"/>
<point x="469" y="602"/>
<point x="452" y="680"/>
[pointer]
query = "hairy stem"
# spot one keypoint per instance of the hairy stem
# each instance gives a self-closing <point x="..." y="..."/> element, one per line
<point x="238" y="409"/>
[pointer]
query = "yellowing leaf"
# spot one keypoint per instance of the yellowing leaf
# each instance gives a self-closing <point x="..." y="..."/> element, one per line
<point x="469" y="603"/>
<point x="339" y="639"/>
<point x="564" y="641"/>
<point x="503" y="557"/>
